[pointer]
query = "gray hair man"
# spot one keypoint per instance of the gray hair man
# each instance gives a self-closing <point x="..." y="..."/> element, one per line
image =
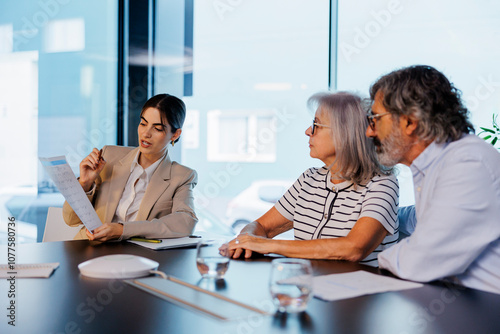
<point x="418" y="119"/>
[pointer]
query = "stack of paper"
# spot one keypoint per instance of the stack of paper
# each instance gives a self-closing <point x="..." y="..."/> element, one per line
<point x="40" y="270"/>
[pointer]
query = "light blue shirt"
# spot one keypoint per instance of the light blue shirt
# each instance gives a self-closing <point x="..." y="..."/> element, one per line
<point x="456" y="218"/>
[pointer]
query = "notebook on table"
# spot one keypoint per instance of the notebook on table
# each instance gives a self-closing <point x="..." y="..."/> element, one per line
<point x="168" y="243"/>
<point x="31" y="270"/>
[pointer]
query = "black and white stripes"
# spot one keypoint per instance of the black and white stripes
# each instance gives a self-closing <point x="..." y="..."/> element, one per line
<point x="320" y="209"/>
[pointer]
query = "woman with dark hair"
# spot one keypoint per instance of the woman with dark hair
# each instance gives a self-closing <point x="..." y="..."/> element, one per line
<point x="345" y="210"/>
<point x="140" y="191"/>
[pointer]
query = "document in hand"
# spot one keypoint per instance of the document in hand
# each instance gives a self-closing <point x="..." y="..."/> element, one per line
<point x="65" y="180"/>
<point x="168" y="243"/>
<point x="355" y="284"/>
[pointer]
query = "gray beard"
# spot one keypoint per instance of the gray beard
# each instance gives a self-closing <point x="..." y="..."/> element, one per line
<point x="390" y="152"/>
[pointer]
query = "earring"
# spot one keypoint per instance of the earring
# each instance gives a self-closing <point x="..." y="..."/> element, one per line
<point x="172" y="143"/>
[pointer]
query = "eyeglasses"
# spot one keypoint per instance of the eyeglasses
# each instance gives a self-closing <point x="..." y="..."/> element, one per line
<point x="314" y="125"/>
<point x="371" y="118"/>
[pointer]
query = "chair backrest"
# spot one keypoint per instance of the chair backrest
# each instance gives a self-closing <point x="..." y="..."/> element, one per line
<point x="55" y="227"/>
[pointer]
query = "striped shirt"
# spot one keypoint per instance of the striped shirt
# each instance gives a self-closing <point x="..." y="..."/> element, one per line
<point x="321" y="209"/>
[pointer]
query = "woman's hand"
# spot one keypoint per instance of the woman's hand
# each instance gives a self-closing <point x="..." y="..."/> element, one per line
<point x="248" y="243"/>
<point x="90" y="167"/>
<point x="105" y="232"/>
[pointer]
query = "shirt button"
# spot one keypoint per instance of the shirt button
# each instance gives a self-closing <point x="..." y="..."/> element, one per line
<point x="419" y="188"/>
<point x="325" y="216"/>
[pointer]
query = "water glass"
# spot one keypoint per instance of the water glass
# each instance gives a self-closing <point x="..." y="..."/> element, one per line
<point x="291" y="284"/>
<point x="212" y="258"/>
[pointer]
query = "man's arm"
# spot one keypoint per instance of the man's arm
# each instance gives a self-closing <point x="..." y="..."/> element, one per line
<point x="407" y="219"/>
<point x="457" y="221"/>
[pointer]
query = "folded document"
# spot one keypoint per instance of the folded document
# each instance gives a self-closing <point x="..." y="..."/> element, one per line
<point x="355" y="284"/>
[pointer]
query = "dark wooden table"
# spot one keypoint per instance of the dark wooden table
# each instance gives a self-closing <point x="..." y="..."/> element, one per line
<point x="69" y="303"/>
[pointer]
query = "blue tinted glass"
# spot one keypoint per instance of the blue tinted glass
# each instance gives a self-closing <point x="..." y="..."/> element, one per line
<point x="58" y="70"/>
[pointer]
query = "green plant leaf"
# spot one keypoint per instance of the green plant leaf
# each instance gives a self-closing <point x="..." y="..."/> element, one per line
<point x="495" y="125"/>
<point x="487" y="130"/>
<point x="491" y="135"/>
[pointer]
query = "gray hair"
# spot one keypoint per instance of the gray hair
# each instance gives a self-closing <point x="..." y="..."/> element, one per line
<point x="355" y="155"/>
<point x="425" y="93"/>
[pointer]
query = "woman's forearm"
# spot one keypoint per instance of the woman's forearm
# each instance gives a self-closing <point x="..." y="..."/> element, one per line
<point x="334" y="249"/>
<point x="331" y="249"/>
<point x="254" y="228"/>
<point x="363" y="239"/>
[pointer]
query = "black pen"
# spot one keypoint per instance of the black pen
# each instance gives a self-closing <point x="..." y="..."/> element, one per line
<point x="195" y="236"/>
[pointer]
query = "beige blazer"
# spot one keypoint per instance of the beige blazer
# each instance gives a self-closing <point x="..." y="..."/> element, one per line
<point x="167" y="208"/>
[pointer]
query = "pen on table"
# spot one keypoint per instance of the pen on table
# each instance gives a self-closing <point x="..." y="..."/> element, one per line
<point x="156" y="241"/>
<point x="195" y="236"/>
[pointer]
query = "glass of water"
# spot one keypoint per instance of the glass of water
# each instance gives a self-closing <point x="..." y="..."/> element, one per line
<point x="212" y="258"/>
<point x="291" y="284"/>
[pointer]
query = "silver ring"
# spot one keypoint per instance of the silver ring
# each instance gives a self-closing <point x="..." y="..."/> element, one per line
<point x="236" y="241"/>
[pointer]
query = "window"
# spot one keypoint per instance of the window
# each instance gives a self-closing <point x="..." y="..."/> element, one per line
<point x="241" y="135"/>
<point x="254" y="65"/>
<point x="459" y="38"/>
<point x="58" y="72"/>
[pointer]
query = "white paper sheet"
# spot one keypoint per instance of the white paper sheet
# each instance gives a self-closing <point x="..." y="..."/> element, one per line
<point x="355" y="284"/>
<point x="34" y="270"/>
<point x="65" y="180"/>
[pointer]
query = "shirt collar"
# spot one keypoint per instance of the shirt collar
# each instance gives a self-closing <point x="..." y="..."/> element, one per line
<point x="427" y="157"/>
<point x="150" y="170"/>
<point x="335" y="186"/>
